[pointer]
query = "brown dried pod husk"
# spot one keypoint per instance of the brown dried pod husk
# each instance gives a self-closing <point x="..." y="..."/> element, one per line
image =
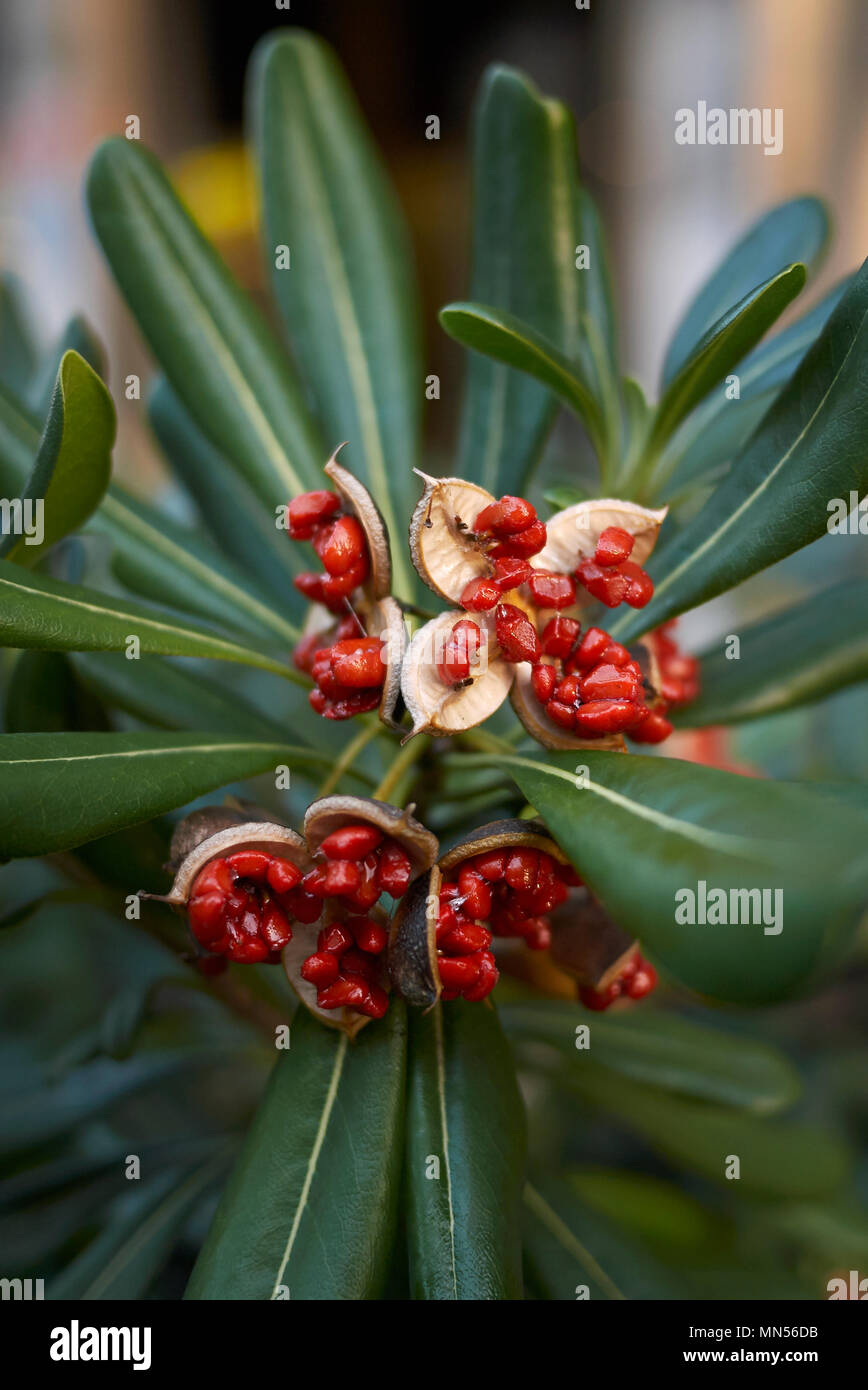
<point x="386" y="621"/>
<point x="436" y="708"/>
<point x="544" y="729"/>
<point x="587" y="943"/>
<point x="239" y="833"/>
<point x="357" y="500"/>
<point x="331" y="812"/>
<point x="413" y="945"/>
<point x="575" y="531"/>
<point x="294" y="955"/>
<point x="441" y="535"/>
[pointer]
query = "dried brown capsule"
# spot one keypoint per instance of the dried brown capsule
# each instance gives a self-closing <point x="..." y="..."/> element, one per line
<point x="359" y="502"/>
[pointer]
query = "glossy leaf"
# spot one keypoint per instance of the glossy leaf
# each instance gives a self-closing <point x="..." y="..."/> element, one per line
<point x="642" y="830"/>
<point x="792" y="658"/>
<point x="211" y="342"/>
<point x="662" y="1050"/>
<point x="241" y="530"/>
<point x="512" y="341"/>
<point x="809" y="450"/>
<point x="718" y="428"/>
<point x="777" y="1158"/>
<point x="464" y="1109"/>
<point x="44" y="696"/>
<point x="73" y="461"/>
<point x="793" y="231"/>
<point x="722" y="348"/>
<point x="310" y="1210"/>
<point x="349" y="299"/>
<point x="659" y="1213"/>
<point x="574" y="1252"/>
<point x="50" y="615"/>
<point x="18" y="352"/>
<point x="78" y="337"/>
<point x="525" y="233"/>
<point x="63" y="789"/>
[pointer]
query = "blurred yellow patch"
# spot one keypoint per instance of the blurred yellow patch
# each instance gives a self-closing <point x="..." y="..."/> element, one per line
<point x="218" y="185"/>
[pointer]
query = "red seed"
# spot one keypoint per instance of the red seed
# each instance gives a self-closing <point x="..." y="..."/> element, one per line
<point x="516" y="634"/>
<point x="515" y="515"/>
<point x="567" y="692"/>
<point x="304" y="907"/>
<point x="342" y="878"/>
<point x="492" y="864"/>
<point x="485" y="980"/>
<point x="537" y="933"/>
<point x="352" y="842"/>
<point x="334" y="939"/>
<point x="370" y="936"/>
<point x="559" y="635"/>
<point x="479" y="595"/>
<point x="616" y="655"/>
<point x="552" y="590"/>
<point x="376" y="1002"/>
<point x="476" y="893"/>
<point x="642" y="981"/>
<point x="543" y="679"/>
<point x="591" y="647"/>
<point x="510" y="571"/>
<point x="358" y="662"/>
<point x="525" y="543"/>
<point x="614" y="545"/>
<point x="459" y="652"/>
<point x="463" y="940"/>
<point x="562" y="715"/>
<point x="341" y="545"/>
<point x="356" y="962"/>
<point x="640" y="586"/>
<point x="654" y="728"/>
<point x="206" y="915"/>
<point x="336" y="587"/>
<point x="608" y="682"/>
<point x="275" y="929"/>
<point x="250" y="863"/>
<point x="457" y="972"/>
<point x="320" y="969"/>
<point x="393" y="870"/>
<point x="599" y="1000"/>
<point x="250" y="951"/>
<point x="521" y="868"/>
<point x="310" y="585"/>
<point x="607" y="585"/>
<point x="601" y="717"/>
<point x="344" y="994"/>
<point x="283" y="876"/>
<point x="310" y="510"/>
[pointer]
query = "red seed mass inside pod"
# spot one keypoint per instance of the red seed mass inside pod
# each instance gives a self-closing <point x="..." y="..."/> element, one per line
<point x="242" y="906"/>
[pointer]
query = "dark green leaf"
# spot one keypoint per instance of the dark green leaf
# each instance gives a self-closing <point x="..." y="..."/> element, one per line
<point x="211" y="342"/>
<point x="793" y="231"/>
<point x="44" y="696"/>
<point x="662" y="1050"/>
<point x="722" y="348"/>
<point x="49" y="615"/>
<point x="465" y="1111"/>
<point x="63" y="789"/>
<point x="657" y="1212"/>
<point x="310" y="1210"/>
<point x="73" y="461"/>
<point x="803" y="654"/>
<point x="77" y="336"/>
<point x="18" y="353"/>
<point x="641" y="831"/>
<point x="808" y="451"/>
<point x="512" y="341"/>
<point x="349" y="299"/>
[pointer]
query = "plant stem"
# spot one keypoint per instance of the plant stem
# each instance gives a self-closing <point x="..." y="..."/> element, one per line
<point x="409" y="754"/>
<point x="366" y="735"/>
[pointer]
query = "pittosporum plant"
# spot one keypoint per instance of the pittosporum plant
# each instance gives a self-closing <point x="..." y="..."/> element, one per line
<point x="423" y="867"/>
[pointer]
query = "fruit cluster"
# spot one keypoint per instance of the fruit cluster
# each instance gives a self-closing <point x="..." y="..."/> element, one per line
<point x="593" y="687"/>
<point x="242" y="906"/>
<point x="348" y="672"/>
<point x="502" y="892"/>
<point x="345" y="969"/>
<point x="339" y="541"/>
<point x="679" y="673"/>
<point x="610" y="575"/>
<point x="635" y="979"/>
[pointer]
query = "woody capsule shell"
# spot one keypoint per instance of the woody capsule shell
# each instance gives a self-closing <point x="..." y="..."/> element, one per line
<point x="359" y="503"/>
<point x="216" y="831"/>
<point x="577" y="529"/>
<point x="442" y="542"/>
<point x="437" y="708"/>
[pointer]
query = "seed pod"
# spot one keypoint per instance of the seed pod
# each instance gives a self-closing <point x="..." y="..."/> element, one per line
<point x="442" y="541"/>
<point x="359" y="503"/>
<point x="440" y="709"/>
<point x="587" y="944"/>
<point x="195" y="843"/>
<point x="386" y="621"/>
<point x="300" y="948"/>
<point x="576" y="530"/>
<point x="545" y="730"/>
<point x="413" y="959"/>
<point x="328" y="814"/>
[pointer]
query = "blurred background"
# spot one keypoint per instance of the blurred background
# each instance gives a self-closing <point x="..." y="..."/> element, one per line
<point x="71" y="74"/>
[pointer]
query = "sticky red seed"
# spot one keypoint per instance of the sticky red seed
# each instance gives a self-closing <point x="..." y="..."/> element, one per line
<point x="615" y="544"/>
<point x="562" y="715"/>
<point x="321" y="969"/>
<point x="591" y="647"/>
<point x="369" y="936"/>
<point x="393" y="870"/>
<point x="607" y="585"/>
<point x="485" y="980"/>
<point x="516" y="634"/>
<point x="559" y="635"/>
<point x="475" y="891"/>
<point x="653" y="728"/>
<point x="358" y="662"/>
<point x="480" y="595"/>
<point x="457" y="972"/>
<point x="341" y="545"/>
<point x="600" y="717"/>
<point x="510" y="571"/>
<point x="282" y="875"/>
<point x="543" y="679"/>
<point x="310" y="510"/>
<point x="552" y="590"/>
<point x="351" y="842"/>
<point x="607" y="682"/>
<point x="525" y="543"/>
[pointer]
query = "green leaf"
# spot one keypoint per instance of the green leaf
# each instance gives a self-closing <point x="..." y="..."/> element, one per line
<point x="79" y="337"/>
<point x="793" y="231"/>
<point x="73" y="462"/>
<point x="777" y="1158"/>
<point x="210" y="340"/>
<point x="662" y="1050"/>
<point x="349" y="299"/>
<point x="657" y="1212"/>
<point x="718" y="428"/>
<point x="310" y="1210"/>
<point x="50" y="615"/>
<point x="802" y="654"/>
<point x="464" y="1109"/>
<point x="564" y="495"/>
<point x="569" y="1247"/>
<point x="642" y="830"/>
<point x="18" y="353"/>
<point x="809" y="449"/>
<point x="242" y="531"/>
<point x="123" y="1260"/>
<point x="512" y="341"/>
<point x="44" y="696"/>
<point x="63" y="789"/>
<point x="528" y="221"/>
<point x="721" y="349"/>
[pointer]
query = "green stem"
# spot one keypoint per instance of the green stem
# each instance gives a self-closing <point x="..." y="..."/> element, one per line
<point x="408" y="756"/>
<point x="366" y="735"/>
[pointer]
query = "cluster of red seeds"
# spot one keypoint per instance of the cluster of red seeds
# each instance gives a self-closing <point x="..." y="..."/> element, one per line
<point x="499" y="892"/>
<point x="593" y="687"/>
<point x="637" y="979"/>
<point x="348" y="673"/>
<point x="358" y="863"/>
<point x="340" y="543"/>
<point x="611" y="576"/>
<point x="679" y="673"/>
<point x="509" y="532"/>
<point x="241" y="906"/>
